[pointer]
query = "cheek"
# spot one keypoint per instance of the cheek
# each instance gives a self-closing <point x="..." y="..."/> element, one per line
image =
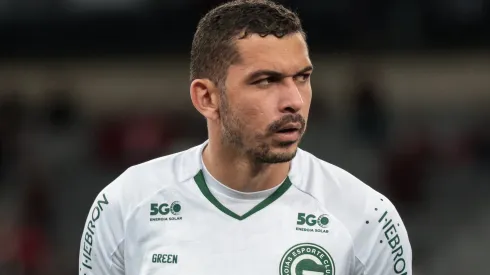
<point x="248" y="108"/>
<point x="253" y="116"/>
<point x="307" y="92"/>
<point x="307" y="97"/>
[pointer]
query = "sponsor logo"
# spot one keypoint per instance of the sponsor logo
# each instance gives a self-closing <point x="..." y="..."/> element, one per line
<point x="312" y="223"/>
<point x="307" y="259"/>
<point x="164" y="258"/>
<point x="395" y="243"/>
<point x="89" y="233"/>
<point x="165" y="211"/>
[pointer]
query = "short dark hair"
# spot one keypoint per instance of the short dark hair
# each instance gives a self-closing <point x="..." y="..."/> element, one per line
<point x="213" y="47"/>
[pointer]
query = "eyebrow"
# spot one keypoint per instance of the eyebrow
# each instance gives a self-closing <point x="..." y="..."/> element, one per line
<point x="275" y="74"/>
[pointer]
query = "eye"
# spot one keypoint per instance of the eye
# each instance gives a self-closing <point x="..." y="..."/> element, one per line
<point x="265" y="82"/>
<point x="302" y="77"/>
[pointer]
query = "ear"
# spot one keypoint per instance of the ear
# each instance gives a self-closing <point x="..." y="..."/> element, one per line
<point x="205" y="98"/>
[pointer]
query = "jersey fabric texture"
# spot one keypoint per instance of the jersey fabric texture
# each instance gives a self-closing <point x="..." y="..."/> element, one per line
<point x="161" y="218"/>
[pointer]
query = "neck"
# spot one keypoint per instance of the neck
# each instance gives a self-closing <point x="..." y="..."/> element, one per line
<point x="240" y="172"/>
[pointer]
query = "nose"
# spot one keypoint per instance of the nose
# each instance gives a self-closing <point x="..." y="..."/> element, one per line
<point x="291" y="100"/>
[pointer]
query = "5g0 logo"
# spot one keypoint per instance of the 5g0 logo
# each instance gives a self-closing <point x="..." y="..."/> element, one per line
<point x="164" y="208"/>
<point x="312" y="220"/>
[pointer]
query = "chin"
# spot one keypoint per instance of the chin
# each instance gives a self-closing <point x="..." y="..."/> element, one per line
<point x="288" y="145"/>
<point x="278" y="156"/>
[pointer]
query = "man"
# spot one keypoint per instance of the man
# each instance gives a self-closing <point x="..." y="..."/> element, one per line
<point x="246" y="201"/>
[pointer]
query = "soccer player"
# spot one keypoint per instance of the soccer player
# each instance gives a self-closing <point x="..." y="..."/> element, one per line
<point x="247" y="200"/>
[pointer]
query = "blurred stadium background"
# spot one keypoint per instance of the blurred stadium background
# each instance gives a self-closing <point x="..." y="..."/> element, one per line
<point x="89" y="87"/>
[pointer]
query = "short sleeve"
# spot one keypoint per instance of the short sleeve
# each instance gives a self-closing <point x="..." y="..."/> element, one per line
<point x="384" y="244"/>
<point x="102" y="242"/>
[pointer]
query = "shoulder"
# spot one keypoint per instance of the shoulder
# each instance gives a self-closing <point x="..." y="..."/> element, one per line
<point x="332" y="185"/>
<point x="358" y="206"/>
<point x="141" y="181"/>
<point x="104" y="236"/>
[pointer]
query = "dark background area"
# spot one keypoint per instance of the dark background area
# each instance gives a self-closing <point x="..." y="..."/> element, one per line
<point x="60" y="28"/>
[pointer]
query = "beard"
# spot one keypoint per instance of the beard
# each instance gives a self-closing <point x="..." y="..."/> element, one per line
<point x="234" y="134"/>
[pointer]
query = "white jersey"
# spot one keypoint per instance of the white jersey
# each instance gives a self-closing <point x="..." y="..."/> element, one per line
<point x="161" y="218"/>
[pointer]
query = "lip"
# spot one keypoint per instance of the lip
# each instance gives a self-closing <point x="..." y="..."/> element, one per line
<point x="288" y="136"/>
<point x="295" y="126"/>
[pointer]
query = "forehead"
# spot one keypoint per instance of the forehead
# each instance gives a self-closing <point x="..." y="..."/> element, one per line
<point x="286" y="55"/>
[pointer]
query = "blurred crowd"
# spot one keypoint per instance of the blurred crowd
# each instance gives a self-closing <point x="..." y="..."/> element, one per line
<point x="44" y="153"/>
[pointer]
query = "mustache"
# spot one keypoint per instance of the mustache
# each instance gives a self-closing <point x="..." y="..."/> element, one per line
<point x="291" y="118"/>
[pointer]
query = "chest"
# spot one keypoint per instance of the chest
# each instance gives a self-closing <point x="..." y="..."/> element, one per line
<point x="284" y="238"/>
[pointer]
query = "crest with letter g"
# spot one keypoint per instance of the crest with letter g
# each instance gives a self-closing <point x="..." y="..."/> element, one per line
<point x="307" y="259"/>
